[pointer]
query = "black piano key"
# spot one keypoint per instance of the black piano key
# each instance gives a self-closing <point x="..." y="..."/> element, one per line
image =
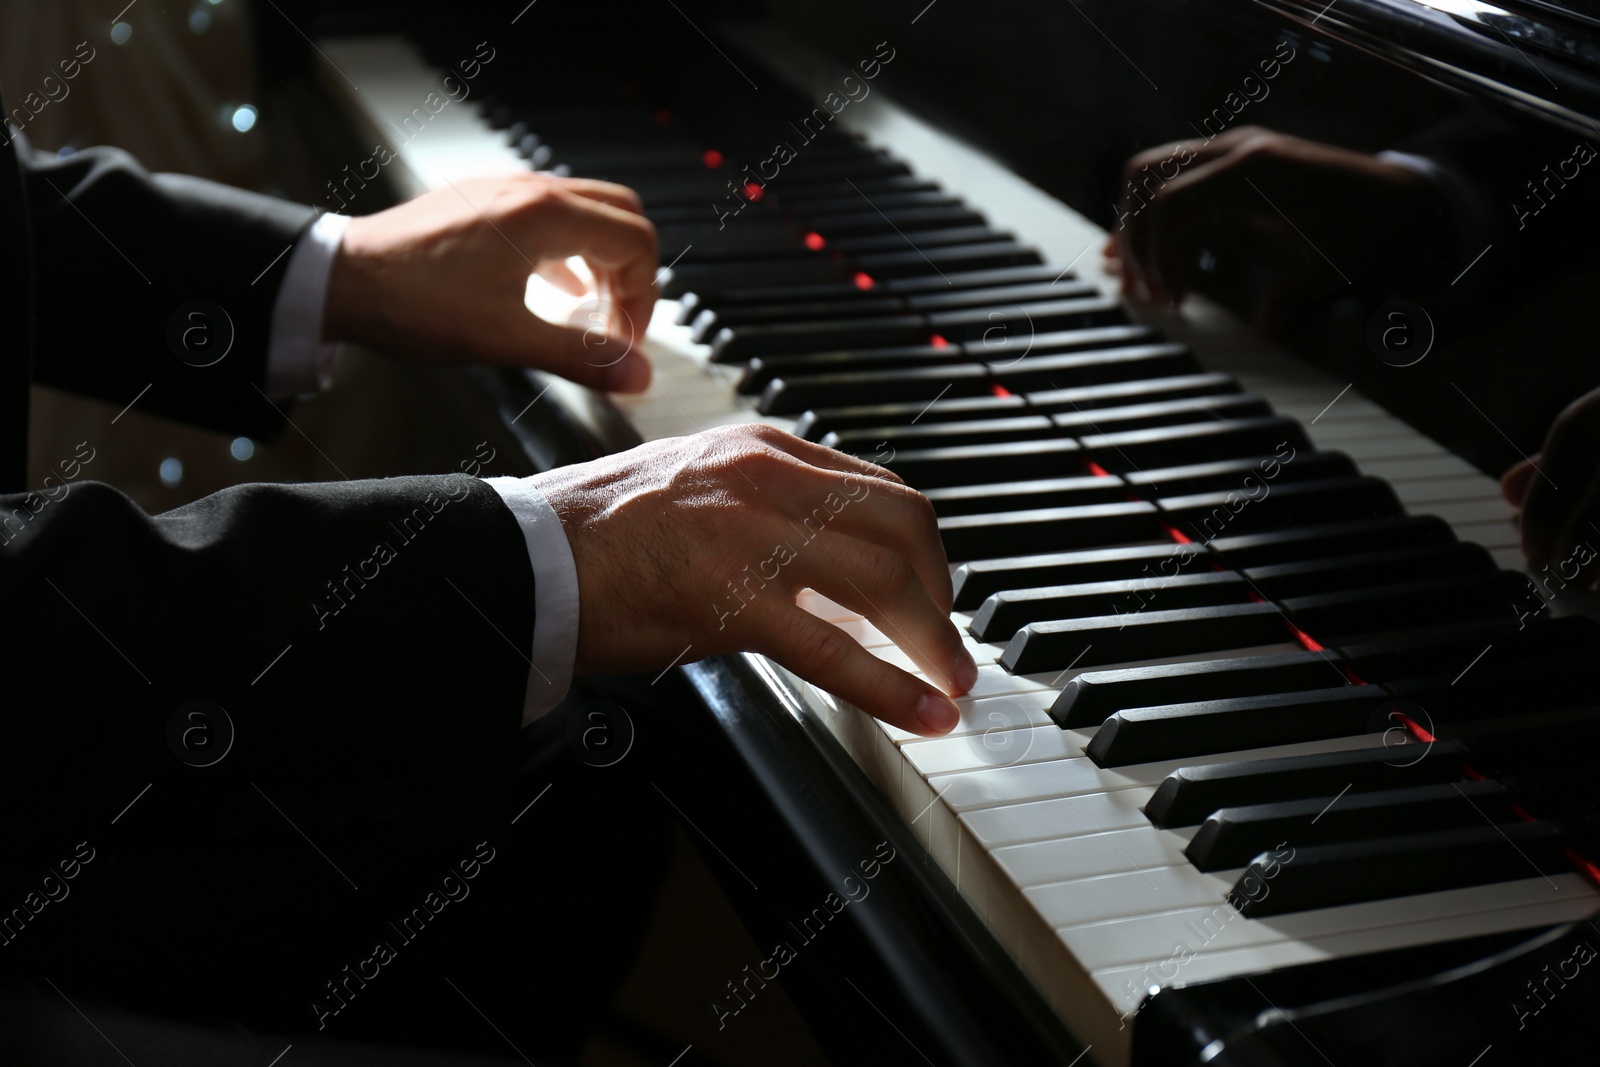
<point x="985" y="324"/>
<point x="943" y="434"/>
<point x="1003" y="614"/>
<point x="1494" y="694"/>
<point x="708" y="322"/>
<point x="1326" y="876"/>
<point x="1234" y="473"/>
<point x="1203" y="727"/>
<point x="1452" y="649"/>
<point x="1243" y="551"/>
<point x="817" y="423"/>
<point x="977" y="580"/>
<point x="783" y="396"/>
<point x="1189" y="794"/>
<point x="1090" y="697"/>
<point x="760" y="370"/>
<point x="934" y="260"/>
<point x="746" y="342"/>
<point x="1003" y="296"/>
<point x="929" y="239"/>
<point x="1403" y="605"/>
<point x="1023" y="496"/>
<point x="680" y="278"/>
<point x="1233" y="837"/>
<point x="1044" y="368"/>
<point x="835" y="226"/>
<point x="1063" y="643"/>
<point x="1076" y="422"/>
<point x="1007" y="533"/>
<point x="1168" y="446"/>
<point x="1205" y="515"/>
<point x="934" y="467"/>
<point x="744" y="296"/>
<point x="740" y="343"/>
<point x="1140" y="391"/>
<point x="1367" y="569"/>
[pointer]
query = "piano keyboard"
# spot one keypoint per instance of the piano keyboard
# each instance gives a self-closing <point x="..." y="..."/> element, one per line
<point x="1156" y="729"/>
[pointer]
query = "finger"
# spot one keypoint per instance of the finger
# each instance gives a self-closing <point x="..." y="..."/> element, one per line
<point x="1579" y="529"/>
<point x="618" y="196"/>
<point x="563" y="277"/>
<point x="1176" y="218"/>
<point x="619" y="246"/>
<point x="884" y="587"/>
<point x="1567" y="464"/>
<point x="1515" y="482"/>
<point x="883" y="513"/>
<point x="828" y="657"/>
<point x="589" y="355"/>
<point x="828" y="458"/>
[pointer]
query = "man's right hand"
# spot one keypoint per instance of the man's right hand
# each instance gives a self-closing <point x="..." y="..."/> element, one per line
<point x="706" y="541"/>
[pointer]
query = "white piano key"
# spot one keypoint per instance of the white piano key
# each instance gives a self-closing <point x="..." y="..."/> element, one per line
<point x="1002" y="744"/>
<point x="1042" y="863"/>
<point x="1059" y="818"/>
<point x="981" y="714"/>
<point x="1497" y="534"/>
<point x="1219" y="927"/>
<point x="1424" y="928"/>
<point x="1472" y="512"/>
<point x="1419" y="495"/>
<point x="969" y="790"/>
<point x="1419" y="468"/>
<point x="1138" y="892"/>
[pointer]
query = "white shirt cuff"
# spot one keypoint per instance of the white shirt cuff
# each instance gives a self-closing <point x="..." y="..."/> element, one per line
<point x="298" y="361"/>
<point x="555" y="595"/>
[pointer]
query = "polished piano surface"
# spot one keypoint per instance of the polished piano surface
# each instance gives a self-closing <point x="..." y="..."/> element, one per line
<point x="1268" y="757"/>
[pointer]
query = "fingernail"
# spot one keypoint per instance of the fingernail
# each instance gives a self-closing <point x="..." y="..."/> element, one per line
<point x="937" y="715"/>
<point x="966" y="672"/>
<point x="630" y="374"/>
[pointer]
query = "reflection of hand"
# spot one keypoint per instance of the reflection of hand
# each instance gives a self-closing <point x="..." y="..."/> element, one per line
<point x="444" y="276"/>
<point x="1371" y="218"/>
<point x="706" y="540"/>
<point x="1555" y="520"/>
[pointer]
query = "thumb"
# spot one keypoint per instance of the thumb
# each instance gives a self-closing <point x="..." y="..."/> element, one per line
<point x="1514" y="482"/>
<point x="588" y="354"/>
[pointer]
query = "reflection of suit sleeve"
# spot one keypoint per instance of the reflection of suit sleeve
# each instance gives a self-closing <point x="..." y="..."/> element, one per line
<point x="366" y="639"/>
<point x="118" y="250"/>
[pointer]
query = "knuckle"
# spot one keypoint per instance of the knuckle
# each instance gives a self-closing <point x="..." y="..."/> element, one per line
<point x="825" y="648"/>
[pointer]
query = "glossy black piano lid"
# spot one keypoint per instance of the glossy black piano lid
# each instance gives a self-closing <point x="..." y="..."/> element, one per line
<point x="1065" y="93"/>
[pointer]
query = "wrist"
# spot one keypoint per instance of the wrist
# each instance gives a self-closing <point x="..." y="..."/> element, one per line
<point x="354" y="302"/>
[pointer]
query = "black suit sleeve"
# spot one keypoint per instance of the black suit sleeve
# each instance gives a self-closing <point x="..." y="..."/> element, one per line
<point x="368" y="641"/>
<point x="117" y="251"/>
